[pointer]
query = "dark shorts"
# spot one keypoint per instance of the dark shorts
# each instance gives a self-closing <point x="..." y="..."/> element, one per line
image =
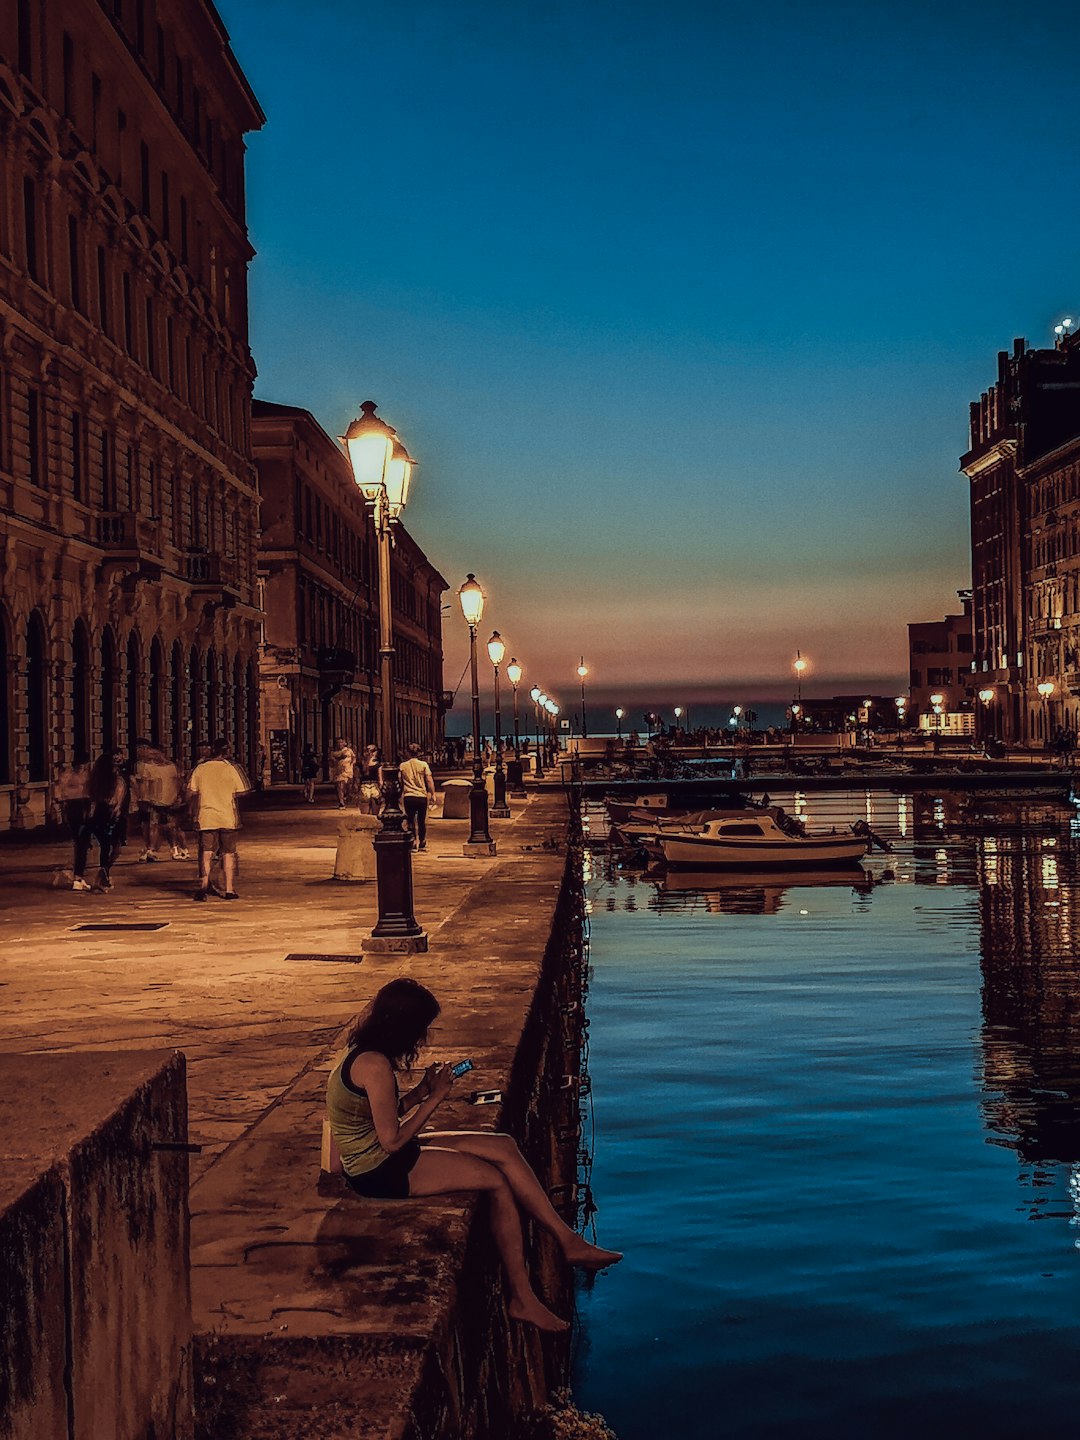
<point x="223" y="840"/>
<point x="390" y="1180"/>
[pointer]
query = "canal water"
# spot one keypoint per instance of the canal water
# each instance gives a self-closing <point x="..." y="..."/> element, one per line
<point x="836" y="1130"/>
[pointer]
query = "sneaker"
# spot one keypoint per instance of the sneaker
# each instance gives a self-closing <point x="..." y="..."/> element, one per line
<point x="199" y="895"/>
<point x="181" y="854"/>
<point x="230" y="895"/>
<point x="422" y="847"/>
<point x="78" y="884"/>
<point x="104" y="883"/>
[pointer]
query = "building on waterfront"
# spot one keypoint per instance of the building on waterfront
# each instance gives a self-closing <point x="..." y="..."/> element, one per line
<point x="318" y="568"/>
<point x="939" y="664"/>
<point x="128" y="491"/>
<point x="1023" y="463"/>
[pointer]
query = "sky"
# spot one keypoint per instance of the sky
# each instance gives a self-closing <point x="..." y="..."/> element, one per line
<point x="679" y="307"/>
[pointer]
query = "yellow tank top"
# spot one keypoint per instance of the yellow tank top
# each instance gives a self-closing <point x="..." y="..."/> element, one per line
<point x="349" y="1113"/>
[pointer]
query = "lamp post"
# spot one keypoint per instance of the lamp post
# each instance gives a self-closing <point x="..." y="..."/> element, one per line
<point x="382" y="469"/>
<point x="472" y="607"/>
<point x="1046" y="689"/>
<point x="496" y="650"/>
<point x="553" y="710"/>
<point x="534" y="695"/>
<point x="619" y="713"/>
<point x="514" y="773"/>
<point x="582" y="671"/>
<point x="800" y="666"/>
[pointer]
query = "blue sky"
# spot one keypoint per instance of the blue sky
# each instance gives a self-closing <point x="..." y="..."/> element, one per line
<point x="680" y="307"/>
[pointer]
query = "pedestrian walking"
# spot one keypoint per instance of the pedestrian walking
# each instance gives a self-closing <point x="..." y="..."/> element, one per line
<point x="214" y="787"/>
<point x="69" y="793"/>
<point x="417" y="794"/>
<point x="342" y="765"/>
<point x="109" y="796"/>
<point x="157" y="792"/>
<point x="309" y="773"/>
<point x="371" y="779"/>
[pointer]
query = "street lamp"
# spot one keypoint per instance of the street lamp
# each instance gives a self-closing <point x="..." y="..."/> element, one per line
<point x="1046" y="689"/>
<point x="472" y="607"/>
<point x="553" y="710"/>
<point x="678" y="715"/>
<point x="382" y="469"/>
<point x="514" y="773"/>
<point x="496" y="650"/>
<point x="582" y="671"/>
<point x="619" y="713"/>
<point x="534" y="695"/>
<point x="800" y="667"/>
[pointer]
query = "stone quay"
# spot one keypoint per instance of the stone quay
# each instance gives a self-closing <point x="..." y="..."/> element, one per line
<point x="313" y="1312"/>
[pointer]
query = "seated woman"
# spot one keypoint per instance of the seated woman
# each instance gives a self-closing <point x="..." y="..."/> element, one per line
<point x="384" y="1155"/>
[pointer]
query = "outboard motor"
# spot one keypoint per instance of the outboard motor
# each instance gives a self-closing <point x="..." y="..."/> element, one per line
<point x="861" y="827"/>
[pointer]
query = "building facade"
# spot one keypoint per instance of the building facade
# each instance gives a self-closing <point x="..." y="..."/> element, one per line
<point x="939" y="664"/>
<point x="320" y="588"/>
<point x="128" y="491"/>
<point x="1023" y="464"/>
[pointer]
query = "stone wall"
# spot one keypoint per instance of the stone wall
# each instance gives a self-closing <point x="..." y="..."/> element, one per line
<point x="95" y="1325"/>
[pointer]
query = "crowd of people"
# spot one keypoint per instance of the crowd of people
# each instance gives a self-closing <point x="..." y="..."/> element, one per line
<point x="104" y="803"/>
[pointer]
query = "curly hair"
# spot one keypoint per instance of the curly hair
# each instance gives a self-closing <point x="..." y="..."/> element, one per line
<point x="396" y="1021"/>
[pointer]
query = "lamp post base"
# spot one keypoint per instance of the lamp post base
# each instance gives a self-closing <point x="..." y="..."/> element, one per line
<point x="500" y="812"/>
<point x="478" y="847"/>
<point x="395" y="944"/>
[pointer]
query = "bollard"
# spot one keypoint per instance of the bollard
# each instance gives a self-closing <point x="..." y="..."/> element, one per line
<point x="355" y="858"/>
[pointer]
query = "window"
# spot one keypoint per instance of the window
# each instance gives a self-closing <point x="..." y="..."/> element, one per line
<point x="144" y="176"/>
<point x="151" y="347"/>
<point x="103" y="291"/>
<point x="183" y="229"/>
<point x="69" y="77"/>
<point x="74" y="265"/>
<point x="33" y="435"/>
<point x="26" y="49"/>
<point x="30" y="229"/>
<point x="76" y="457"/>
<point x="129" y="335"/>
<point x="166" y="219"/>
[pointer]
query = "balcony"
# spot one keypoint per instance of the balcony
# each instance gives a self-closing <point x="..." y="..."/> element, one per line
<point x="337" y="668"/>
<point x="130" y="541"/>
<point x="204" y="571"/>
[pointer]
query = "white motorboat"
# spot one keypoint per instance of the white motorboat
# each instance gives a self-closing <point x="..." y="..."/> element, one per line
<point x="644" y="829"/>
<point x="754" y="841"/>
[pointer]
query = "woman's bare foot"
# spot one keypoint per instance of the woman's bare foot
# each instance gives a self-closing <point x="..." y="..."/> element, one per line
<point x="535" y="1312"/>
<point x="591" y="1257"/>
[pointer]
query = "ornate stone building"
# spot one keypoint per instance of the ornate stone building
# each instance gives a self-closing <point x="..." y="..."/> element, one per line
<point x="1024" y="467"/>
<point x="320" y="585"/>
<point x="128" y="492"/>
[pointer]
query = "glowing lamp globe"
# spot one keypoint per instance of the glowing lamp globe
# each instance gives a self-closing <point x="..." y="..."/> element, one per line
<point x="937" y="699"/>
<point x="399" y="472"/>
<point x="472" y="601"/>
<point x="1045" y="688"/>
<point x="619" y="713"/>
<point x="513" y="673"/>
<point x="535" y="694"/>
<point x="495" y="648"/>
<point x="369" y="443"/>
<point x="583" y="669"/>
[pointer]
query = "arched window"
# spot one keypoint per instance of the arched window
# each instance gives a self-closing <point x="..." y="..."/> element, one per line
<point x="80" y="692"/>
<point x="177" y="702"/>
<point x="37" y="699"/>
<point x="157" y="666"/>
<point x="108" y="691"/>
<point x="134" y="691"/>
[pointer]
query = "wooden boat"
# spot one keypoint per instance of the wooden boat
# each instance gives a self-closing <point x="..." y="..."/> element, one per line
<point x="755" y="841"/>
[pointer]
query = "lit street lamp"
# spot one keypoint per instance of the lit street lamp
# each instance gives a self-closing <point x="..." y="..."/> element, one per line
<point x="800" y="667"/>
<point x="619" y="713"/>
<point x="514" y="774"/>
<point x="553" y="710"/>
<point x="534" y="695"/>
<point x="1046" y="688"/>
<point x="472" y="607"/>
<point x="382" y="469"/>
<point x="582" y="671"/>
<point x="496" y="650"/>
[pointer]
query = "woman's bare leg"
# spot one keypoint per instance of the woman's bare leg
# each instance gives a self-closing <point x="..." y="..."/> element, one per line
<point x="501" y="1151"/>
<point x="444" y="1172"/>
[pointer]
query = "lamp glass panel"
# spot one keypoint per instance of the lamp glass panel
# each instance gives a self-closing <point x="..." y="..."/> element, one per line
<point x="369" y="455"/>
<point x="496" y="649"/>
<point x="472" y="602"/>
<point x="513" y="672"/>
<point x="398" y="477"/>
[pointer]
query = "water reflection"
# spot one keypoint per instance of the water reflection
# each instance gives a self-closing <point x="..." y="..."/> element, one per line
<point x="744" y="892"/>
<point x="1031" y="993"/>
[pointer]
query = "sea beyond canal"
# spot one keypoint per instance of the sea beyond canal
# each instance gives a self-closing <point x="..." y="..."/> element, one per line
<point x="837" y="1134"/>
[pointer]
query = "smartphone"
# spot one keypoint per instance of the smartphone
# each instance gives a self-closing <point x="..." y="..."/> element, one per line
<point x="461" y="1068"/>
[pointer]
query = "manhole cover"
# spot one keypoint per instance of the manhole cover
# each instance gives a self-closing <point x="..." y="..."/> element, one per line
<point x="123" y="925"/>
<point x="342" y="959"/>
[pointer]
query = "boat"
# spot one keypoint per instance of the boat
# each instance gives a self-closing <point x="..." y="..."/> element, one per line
<point x="756" y="842"/>
<point x="644" y="830"/>
<point x="621" y="810"/>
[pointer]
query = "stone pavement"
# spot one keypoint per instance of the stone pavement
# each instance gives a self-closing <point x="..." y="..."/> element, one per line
<point x="214" y="981"/>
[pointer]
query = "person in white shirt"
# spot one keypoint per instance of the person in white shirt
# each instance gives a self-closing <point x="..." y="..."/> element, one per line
<point x="213" y="787"/>
<point x="417" y="794"/>
<point x="342" y="765"/>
